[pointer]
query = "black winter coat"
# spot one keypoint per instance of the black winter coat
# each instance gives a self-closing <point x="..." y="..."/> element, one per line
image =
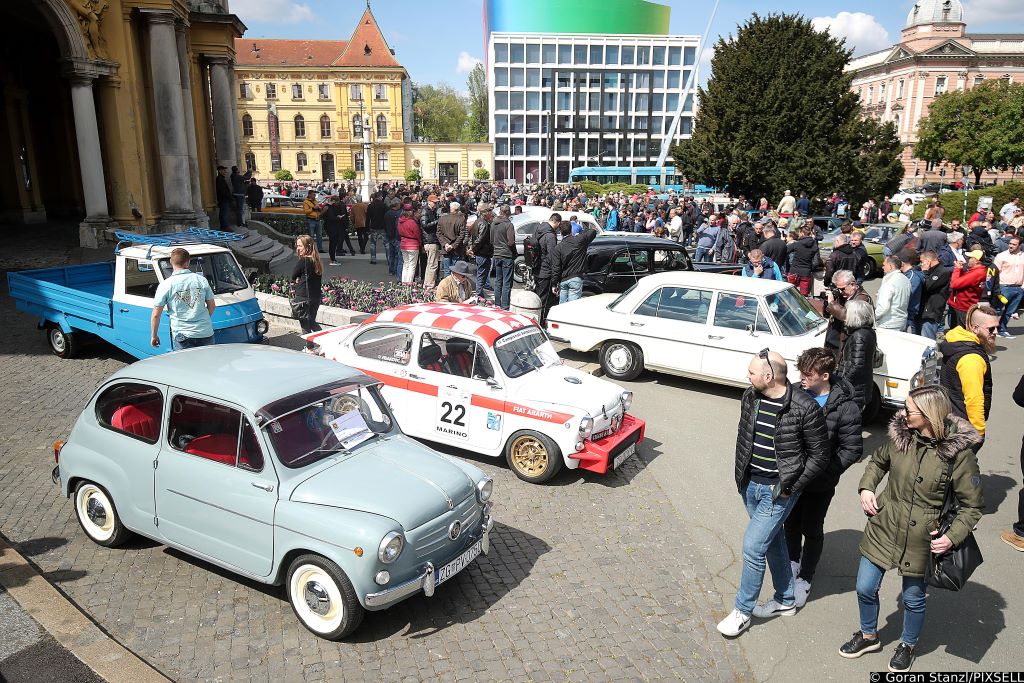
<point x="547" y="241"/>
<point x="775" y="249"/>
<point x="428" y="225"/>
<point x="801" y="440"/>
<point x="934" y="293"/>
<point x="803" y="251"/>
<point x="856" y="363"/>
<point x="841" y="258"/>
<point x="843" y="419"/>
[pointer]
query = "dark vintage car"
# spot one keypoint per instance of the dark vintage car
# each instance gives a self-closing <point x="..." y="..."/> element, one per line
<point x="615" y="261"/>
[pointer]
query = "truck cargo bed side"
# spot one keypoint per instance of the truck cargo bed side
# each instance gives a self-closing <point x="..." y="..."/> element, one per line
<point x="80" y="296"/>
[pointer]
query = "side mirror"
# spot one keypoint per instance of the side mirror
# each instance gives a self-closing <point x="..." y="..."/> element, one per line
<point x="490" y="381"/>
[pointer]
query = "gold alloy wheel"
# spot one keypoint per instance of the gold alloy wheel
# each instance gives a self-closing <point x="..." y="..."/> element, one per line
<point x="529" y="455"/>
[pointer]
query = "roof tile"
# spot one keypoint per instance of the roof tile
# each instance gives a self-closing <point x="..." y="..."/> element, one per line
<point x="275" y="52"/>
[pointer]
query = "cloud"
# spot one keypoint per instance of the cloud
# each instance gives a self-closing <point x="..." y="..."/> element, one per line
<point x="993" y="11"/>
<point x="704" y="65"/>
<point x="277" y="11"/>
<point x="466" y="63"/>
<point x="862" y="31"/>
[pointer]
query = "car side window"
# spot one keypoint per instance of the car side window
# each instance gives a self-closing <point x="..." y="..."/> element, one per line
<point x="250" y="455"/>
<point x="213" y="432"/>
<point x="597" y="260"/>
<point x="685" y="304"/>
<point x="641" y="261"/>
<point x="139" y="278"/>
<point x="388" y="344"/>
<point x="650" y="305"/>
<point x="621" y="263"/>
<point x="738" y="312"/>
<point x="527" y="229"/>
<point x="453" y="355"/>
<point x="135" y="410"/>
<point x="670" y="259"/>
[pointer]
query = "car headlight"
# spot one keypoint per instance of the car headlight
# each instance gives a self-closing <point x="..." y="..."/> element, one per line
<point x="586" y="426"/>
<point x="918" y="380"/>
<point x="262" y="326"/>
<point x="390" y="547"/>
<point x="627" y="400"/>
<point x="483" y="490"/>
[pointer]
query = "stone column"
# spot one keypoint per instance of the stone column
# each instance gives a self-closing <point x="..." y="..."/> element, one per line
<point x="90" y="159"/>
<point x="188" y="111"/>
<point x="165" y="75"/>
<point x="236" y="122"/>
<point x="223" y="110"/>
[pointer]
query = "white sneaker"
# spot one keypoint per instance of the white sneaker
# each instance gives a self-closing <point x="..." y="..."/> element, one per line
<point x="796" y="568"/>
<point x="766" y="610"/>
<point x="803" y="588"/>
<point x="736" y="623"/>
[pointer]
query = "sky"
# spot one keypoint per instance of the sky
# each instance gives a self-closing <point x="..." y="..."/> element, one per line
<point x="441" y="42"/>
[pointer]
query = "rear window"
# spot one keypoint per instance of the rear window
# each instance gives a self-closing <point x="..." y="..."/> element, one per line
<point x="131" y="409"/>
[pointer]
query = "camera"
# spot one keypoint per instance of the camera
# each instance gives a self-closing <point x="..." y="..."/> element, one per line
<point x="836" y="293"/>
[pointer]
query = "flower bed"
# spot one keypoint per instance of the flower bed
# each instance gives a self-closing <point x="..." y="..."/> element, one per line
<point x="356" y="295"/>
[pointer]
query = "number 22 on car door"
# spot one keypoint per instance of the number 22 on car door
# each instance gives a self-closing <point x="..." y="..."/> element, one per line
<point x="451" y="421"/>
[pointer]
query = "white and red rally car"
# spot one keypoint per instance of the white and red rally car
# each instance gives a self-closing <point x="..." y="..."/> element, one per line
<point x="489" y="381"/>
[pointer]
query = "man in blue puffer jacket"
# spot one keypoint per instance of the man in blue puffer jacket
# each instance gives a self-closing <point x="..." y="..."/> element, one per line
<point x="761" y="266"/>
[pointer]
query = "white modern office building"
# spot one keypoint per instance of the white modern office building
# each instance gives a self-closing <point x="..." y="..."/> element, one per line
<point x="559" y="101"/>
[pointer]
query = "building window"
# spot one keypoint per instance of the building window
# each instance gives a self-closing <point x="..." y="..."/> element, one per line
<point x="382" y="126"/>
<point x="245" y="90"/>
<point x="533" y="53"/>
<point x="250" y="162"/>
<point x="533" y="101"/>
<point x="501" y="52"/>
<point x="658" y="58"/>
<point x="501" y="124"/>
<point x="271" y="91"/>
<point x="627" y="54"/>
<point x="899" y="89"/>
<point x="515" y="101"/>
<point x="978" y="80"/>
<point x="380" y="92"/>
<point x="357" y="126"/>
<point x="300" y="162"/>
<point x="515" y="53"/>
<point x="675" y="56"/>
<point x="358" y="161"/>
<point x="580" y="54"/>
<point x="896" y="122"/>
<point x="643" y="55"/>
<point x="325" y="126"/>
<point x="296" y="91"/>
<point x="871" y="94"/>
<point x="940" y="85"/>
<point x="565" y="54"/>
<point x="881" y="92"/>
<point x="324" y="91"/>
<point x="548" y="54"/>
<point x="355" y="92"/>
<point x="500" y="101"/>
<point x="300" y="126"/>
<point x="382" y="162"/>
<point x="246" y="126"/>
<point x="516" y="78"/>
<point x="533" y="78"/>
<point x="275" y="163"/>
<point x="501" y="76"/>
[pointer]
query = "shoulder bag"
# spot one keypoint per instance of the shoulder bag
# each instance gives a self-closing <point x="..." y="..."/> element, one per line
<point x="952" y="569"/>
<point x="300" y="309"/>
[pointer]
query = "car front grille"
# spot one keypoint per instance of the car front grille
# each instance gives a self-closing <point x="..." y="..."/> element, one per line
<point x="606" y="426"/>
<point x="431" y="537"/>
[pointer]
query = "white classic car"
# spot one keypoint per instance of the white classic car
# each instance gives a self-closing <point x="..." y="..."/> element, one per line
<point x="708" y="325"/>
<point x="489" y="381"/>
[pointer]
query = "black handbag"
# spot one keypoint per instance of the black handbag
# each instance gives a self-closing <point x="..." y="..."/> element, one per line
<point x="300" y="309"/>
<point x="953" y="568"/>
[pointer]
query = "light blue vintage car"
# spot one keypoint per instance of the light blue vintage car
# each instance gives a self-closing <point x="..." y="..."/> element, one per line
<point x="282" y="467"/>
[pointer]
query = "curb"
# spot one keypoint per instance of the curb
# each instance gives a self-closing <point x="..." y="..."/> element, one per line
<point x="72" y="629"/>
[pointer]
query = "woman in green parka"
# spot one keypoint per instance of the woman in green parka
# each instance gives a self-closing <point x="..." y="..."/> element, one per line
<point x="903" y="524"/>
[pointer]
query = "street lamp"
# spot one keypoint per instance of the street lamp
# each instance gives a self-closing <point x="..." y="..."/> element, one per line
<point x="367" y="185"/>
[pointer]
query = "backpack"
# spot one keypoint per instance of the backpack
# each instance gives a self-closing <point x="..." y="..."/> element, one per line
<point x="531" y="252"/>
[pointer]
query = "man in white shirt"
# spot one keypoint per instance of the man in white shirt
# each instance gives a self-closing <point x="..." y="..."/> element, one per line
<point x="675" y="224"/>
<point x="787" y="205"/>
<point x="1008" y="208"/>
<point x="893" y="296"/>
<point x="1011" y="282"/>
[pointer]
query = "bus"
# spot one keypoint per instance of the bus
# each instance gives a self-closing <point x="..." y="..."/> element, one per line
<point x="658" y="178"/>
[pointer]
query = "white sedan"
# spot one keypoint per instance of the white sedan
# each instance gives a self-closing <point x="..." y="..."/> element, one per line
<point x="708" y="325"/>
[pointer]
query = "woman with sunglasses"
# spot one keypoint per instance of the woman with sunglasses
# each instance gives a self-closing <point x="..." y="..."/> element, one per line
<point x="902" y="528"/>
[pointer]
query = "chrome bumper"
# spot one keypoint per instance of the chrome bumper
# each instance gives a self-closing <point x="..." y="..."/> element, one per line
<point x="425" y="581"/>
<point x="55" y="475"/>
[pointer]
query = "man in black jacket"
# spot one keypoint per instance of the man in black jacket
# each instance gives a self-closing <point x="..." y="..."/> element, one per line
<point x="238" y="181"/>
<point x="428" y="228"/>
<point x="841" y="258"/>
<point x="934" y="293"/>
<point x="451" y="234"/>
<point x="805" y="526"/>
<point x="503" y="240"/>
<point x="569" y="263"/>
<point x="483" y="250"/>
<point x="547" y="241"/>
<point x="224" y="197"/>
<point x="781" y="446"/>
<point x="774" y="247"/>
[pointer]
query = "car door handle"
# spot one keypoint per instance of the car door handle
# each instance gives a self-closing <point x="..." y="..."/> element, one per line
<point x="637" y="324"/>
<point x="412" y="376"/>
<point x="715" y="336"/>
<point x="123" y="310"/>
<point x="261" y="485"/>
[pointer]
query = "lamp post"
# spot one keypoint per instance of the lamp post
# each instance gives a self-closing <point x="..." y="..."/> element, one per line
<point x="366" y="186"/>
<point x="967" y="171"/>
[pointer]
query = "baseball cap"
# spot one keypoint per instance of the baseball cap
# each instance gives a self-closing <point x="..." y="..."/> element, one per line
<point x="977" y="253"/>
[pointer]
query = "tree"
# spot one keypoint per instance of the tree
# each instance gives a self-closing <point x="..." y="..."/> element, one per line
<point x="481" y="174"/>
<point x="284" y="174"/>
<point x="478" y="111"/>
<point x="440" y="113"/>
<point x="878" y="169"/>
<point x="975" y="128"/>
<point x="349" y="174"/>
<point x="413" y="176"/>
<point x="777" y="113"/>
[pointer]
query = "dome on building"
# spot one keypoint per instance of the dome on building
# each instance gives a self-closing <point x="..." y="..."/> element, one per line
<point x="935" y="11"/>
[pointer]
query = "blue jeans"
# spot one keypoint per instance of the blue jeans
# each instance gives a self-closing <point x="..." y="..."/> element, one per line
<point x="764" y="541"/>
<point x="930" y="329"/>
<point x="447" y="261"/>
<point x="315" y="231"/>
<point x="1013" y="296"/>
<point x="373" y="236"/>
<point x="180" y="341"/>
<point x="394" y="255"/>
<point x="869" y="578"/>
<point x="483" y="274"/>
<point x="239" y="207"/>
<point x="570" y="290"/>
<point x="704" y="254"/>
<point x="912" y="326"/>
<point x="503" y="268"/>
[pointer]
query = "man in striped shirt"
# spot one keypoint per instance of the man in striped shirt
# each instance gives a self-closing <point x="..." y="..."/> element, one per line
<point x="781" y="445"/>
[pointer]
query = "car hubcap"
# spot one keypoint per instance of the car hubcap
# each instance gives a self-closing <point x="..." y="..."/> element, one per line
<point x="57" y="340"/>
<point x="529" y="456"/>
<point x="317" y="599"/>
<point x="619" y="358"/>
<point x="96" y="512"/>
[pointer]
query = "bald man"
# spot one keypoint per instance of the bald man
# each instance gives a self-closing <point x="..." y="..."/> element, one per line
<point x="781" y="445"/>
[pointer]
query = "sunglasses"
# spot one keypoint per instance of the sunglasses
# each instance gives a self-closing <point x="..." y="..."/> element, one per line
<point x="763" y="355"/>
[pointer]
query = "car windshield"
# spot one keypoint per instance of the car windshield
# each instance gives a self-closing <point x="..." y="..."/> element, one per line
<point x="329" y="426"/>
<point x="220" y="269"/>
<point x="793" y="312"/>
<point x="523" y="351"/>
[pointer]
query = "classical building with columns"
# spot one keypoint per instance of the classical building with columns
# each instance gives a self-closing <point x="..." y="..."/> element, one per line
<point x="936" y="53"/>
<point x="304" y="106"/>
<point x="115" y="112"/>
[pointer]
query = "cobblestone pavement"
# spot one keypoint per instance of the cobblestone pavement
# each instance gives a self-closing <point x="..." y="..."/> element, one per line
<point x="591" y="578"/>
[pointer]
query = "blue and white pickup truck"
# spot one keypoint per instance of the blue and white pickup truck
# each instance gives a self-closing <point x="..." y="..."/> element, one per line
<point x="114" y="300"/>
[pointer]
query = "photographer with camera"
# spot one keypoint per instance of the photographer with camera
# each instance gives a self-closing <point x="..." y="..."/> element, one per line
<point x="843" y="290"/>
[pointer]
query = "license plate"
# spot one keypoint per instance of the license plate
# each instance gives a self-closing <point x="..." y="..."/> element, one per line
<point x="623" y="456"/>
<point x="442" y="574"/>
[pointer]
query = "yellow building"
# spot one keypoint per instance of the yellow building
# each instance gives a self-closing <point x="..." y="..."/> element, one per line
<point x="115" y="112"/>
<point x="303" y="105"/>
